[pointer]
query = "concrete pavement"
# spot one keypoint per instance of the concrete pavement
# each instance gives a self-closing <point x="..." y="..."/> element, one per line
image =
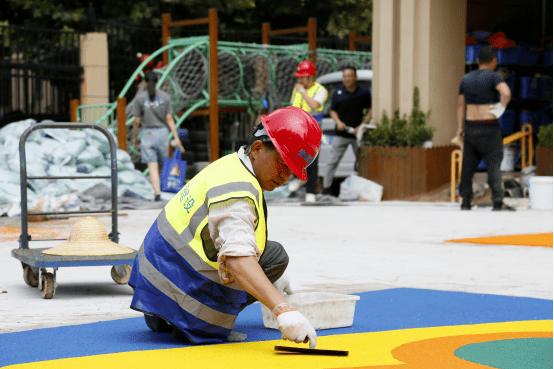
<point x="354" y="248"/>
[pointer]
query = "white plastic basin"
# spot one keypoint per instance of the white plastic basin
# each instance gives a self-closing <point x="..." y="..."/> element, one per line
<point x="324" y="310"/>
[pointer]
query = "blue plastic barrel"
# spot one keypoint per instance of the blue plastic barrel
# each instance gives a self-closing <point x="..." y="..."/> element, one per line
<point x="529" y="88"/>
<point x="546" y="58"/>
<point x="472" y="52"/>
<point x="529" y="57"/>
<point x="508" y="56"/>
<point x="511" y="82"/>
<point x="545" y="88"/>
<point x="507" y="122"/>
<point x="532" y="117"/>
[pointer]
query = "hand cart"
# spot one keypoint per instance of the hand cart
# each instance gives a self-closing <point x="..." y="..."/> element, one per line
<point x="36" y="265"/>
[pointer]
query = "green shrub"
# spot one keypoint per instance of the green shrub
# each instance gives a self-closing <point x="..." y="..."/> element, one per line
<point x="401" y="132"/>
<point x="545" y="136"/>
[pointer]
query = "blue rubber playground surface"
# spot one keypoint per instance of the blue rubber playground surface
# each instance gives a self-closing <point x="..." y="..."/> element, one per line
<point x="377" y="312"/>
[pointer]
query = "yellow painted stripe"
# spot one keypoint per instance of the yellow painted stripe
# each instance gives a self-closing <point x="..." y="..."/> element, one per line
<point x="366" y="349"/>
<point x="539" y="239"/>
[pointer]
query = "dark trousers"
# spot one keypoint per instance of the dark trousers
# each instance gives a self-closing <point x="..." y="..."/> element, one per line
<point x="312" y="176"/>
<point x="482" y="141"/>
<point x="273" y="261"/>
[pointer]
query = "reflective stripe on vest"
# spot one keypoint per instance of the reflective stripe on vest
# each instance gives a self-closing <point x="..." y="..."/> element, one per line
<point x="298" y="101"/>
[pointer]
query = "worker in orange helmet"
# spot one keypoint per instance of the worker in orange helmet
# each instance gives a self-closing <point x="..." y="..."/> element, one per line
<point x="207" y="257"/>
<point x="309" y="96"/>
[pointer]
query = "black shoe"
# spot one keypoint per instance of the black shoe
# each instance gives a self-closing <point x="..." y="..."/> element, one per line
<point x="158" y="198"/>
<point x="157" y="324"/>
<point x="466" y="205"/>
<point x="325" y="191"/>
<point x="497" y="206"/>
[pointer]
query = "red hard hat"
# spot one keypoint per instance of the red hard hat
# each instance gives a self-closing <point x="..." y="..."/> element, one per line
<point x="296" y="135"/>
<point x="150" y="63"/>
<point x="304" y="69"/>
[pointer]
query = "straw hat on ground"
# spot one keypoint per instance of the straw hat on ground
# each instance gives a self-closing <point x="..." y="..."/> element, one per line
<point x="88" y="238"/>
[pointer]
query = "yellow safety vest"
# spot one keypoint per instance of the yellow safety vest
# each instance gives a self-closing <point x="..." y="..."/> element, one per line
<point x="225" y="179"/>
<point x="298" y="101"/>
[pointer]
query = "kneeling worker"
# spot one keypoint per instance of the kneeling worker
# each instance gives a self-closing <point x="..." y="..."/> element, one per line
<point x="206" y="257"/>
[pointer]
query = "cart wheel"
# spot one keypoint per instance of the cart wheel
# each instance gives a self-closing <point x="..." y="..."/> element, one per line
<point x="48" y="287"/>
<point x="30" y="277"/>
<point x="121" y="273"/>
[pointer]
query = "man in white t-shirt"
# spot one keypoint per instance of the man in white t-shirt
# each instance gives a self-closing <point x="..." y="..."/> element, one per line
<point x="309" y="96"/>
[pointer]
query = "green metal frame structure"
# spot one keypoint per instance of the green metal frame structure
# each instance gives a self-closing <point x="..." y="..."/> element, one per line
<point x="248" y="75"/>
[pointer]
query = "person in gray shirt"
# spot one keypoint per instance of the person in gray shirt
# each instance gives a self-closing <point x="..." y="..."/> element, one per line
<point x="153" y="107"/>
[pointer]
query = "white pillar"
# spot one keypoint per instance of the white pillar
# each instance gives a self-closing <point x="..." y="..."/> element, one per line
<point x="94" y="60"/>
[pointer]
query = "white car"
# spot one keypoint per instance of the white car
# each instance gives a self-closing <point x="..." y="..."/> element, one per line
<point x="347" y="165"/>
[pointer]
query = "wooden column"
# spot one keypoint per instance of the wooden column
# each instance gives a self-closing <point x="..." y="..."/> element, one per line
<point x="266" y="28"/>
<point x="73" y="105"/>
<point x="312" y="39"/>
<point x="352" y="41"/>
<point x="166" y="34"/>
<point x="214" y="86"/>
<point x="121" y="123"/>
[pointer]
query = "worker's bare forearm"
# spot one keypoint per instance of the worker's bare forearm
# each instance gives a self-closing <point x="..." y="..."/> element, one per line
<point x="367" y="116"/>
<point x="136" y="124"/>
<point x="505" y="99"/>
<point x="460" y="115"/>
<point x="250" y="276"/>
<point x="311" y="102"/>
<point x="171" y="124"/>
<point x="335" y="116"/>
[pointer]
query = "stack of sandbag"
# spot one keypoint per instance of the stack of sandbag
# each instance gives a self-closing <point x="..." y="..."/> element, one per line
<point x="62" y="152"/>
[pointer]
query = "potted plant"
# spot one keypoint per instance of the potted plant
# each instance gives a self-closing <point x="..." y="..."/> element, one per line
<point x="396" y="155"/>
<point x="544" y="151"/>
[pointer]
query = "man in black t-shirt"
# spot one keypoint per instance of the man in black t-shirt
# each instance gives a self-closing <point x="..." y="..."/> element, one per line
<point x="482" y="99"/>
<point x="347" y="106"/>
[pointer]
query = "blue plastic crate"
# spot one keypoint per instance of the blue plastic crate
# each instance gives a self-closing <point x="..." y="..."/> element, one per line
<point x="546" y="58"/>
<point x="507" y="122"/>
<point x="529" y="88"/>
<point x="508" y="56"/>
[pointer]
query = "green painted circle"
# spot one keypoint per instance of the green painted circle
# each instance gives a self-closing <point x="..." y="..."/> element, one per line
<point x="528" y="353"/>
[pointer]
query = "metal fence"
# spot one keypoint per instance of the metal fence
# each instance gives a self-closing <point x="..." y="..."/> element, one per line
<point x="39" y="73"/>
<point x="124" y="42"/>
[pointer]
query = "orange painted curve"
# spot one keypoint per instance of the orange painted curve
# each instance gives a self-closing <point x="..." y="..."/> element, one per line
<point x="537" y="239"/>
<point x="438" y="353"/>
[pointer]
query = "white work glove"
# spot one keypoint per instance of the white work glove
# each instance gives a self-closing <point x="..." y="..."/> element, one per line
<point x="295" y="327"/>
<point x="283" y="285"/>
<point x="497" y="109"/>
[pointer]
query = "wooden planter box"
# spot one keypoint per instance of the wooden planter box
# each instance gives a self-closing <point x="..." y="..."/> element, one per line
<point x="405" y="171"/>
<point x="544" y="161"/>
